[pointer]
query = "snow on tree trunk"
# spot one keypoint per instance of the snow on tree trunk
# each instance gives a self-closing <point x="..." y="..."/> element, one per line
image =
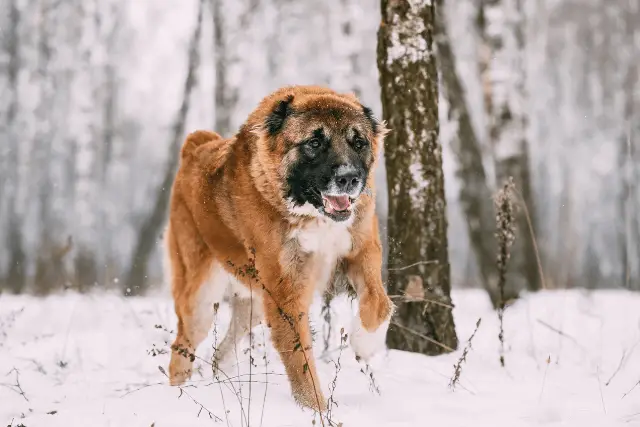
<point x="475" y="195"/>
<point x="418" y="258"/>
<point x="501" y="26"/>
<point x="149" y="232"/>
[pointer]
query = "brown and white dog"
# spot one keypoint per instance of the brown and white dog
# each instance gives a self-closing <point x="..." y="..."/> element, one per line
<point x="291" y="195"/>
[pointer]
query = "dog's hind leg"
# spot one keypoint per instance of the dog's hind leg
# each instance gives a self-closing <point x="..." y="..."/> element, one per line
<point x="197" y="288"/>
<point x="246" y="313"/>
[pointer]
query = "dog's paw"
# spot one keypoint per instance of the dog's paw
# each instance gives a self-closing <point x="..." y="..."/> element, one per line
<point x="366" y="344"/>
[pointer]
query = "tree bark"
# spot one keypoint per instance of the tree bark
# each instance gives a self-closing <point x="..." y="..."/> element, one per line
<point x="225" y="95"/>
<point x="136" y="279"/>
<point x="628" y="227"/>
<point x="418" y="255"/>
<point x="475" y="195"/>
<point x="503" y="76"/>
<point x="15" y="278"/>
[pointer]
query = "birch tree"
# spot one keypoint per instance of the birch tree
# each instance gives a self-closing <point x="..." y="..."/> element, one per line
<point x="501" y="26"/>
<point x="628" y="226"/>
<point x="16" y="271"/>
<point x="475" y="195"/>
<point x="148" y="234"/>
<point x="224" y="97"/>
<point x="418" y="259"/>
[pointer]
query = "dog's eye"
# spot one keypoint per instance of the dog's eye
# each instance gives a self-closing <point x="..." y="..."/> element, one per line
<point x="359" y="143"/>
<point x="314" y="143"/>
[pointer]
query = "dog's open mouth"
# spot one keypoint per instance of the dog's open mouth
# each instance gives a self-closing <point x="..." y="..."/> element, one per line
<point x="337" y="204"/>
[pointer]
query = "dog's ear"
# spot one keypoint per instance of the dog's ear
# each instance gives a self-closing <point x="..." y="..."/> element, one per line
<point x="368" y="113"/>
<point x="377" y="127"/>
<point x="279" y="115"/>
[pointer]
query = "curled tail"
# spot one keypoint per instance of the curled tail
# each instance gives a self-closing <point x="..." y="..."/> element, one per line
<point x="207" y="149"/>
<point x="197" y="139"/>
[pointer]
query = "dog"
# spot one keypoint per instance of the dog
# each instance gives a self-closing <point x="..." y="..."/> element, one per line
<point x="272" y="215"/>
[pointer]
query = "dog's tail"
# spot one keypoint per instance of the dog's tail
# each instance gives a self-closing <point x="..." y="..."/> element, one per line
<point x="195" y="140"/>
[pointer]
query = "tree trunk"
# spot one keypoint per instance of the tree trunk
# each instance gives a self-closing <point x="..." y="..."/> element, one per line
<point x="15" y="278"/>
<point x="475" y="195"/>
<point x="418" y="255"/>
<point x="501" y="28"/>
<point x="629" y="228"/>
<point x="136" y="279"/>
<point x="225" y="97"/>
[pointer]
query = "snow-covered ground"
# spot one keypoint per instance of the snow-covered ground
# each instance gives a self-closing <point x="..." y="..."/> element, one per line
<point x="88" y="361"/>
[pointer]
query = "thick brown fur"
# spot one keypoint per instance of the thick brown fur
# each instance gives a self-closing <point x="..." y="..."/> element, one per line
<point x="228" y="208"/>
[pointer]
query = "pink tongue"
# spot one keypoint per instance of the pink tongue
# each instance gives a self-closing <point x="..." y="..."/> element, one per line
<point x="339" y="203"/>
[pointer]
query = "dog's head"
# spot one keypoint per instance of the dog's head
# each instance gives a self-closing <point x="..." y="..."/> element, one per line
<point x="325" y="146"/>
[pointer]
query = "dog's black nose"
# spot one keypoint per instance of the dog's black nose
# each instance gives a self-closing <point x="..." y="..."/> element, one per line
<point x="347" y="181"/>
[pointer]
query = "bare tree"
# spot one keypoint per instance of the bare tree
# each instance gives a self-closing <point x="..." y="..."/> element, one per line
<point x="135" y="282"/>
<point x="628" y="226"/>
<point x="418" y="258"/>
<point x="475" y="195"/>
<point x="501" y="27"/>
<point x="15" y="279"/>
<point x="224" y="96"/>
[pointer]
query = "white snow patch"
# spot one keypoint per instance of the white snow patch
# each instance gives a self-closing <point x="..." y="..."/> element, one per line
<point x="86" y="357"/>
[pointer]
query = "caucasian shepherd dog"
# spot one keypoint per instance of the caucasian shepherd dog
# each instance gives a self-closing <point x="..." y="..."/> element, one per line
<point x="273" y="214"/>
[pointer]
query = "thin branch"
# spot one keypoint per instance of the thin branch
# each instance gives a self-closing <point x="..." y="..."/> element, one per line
<point x="17" y="388"/>
<point x="440" y="303"/>
<point x="562" y="334"/>
<point x="631" y="389"/>
<point x="412" y="265"/>
<point x="424" y="337"/>
<point x="202" y="407"/>
<point x="600" y="388"/>
<point x="624" y="353"/>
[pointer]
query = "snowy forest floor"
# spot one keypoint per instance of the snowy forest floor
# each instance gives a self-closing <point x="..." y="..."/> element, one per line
<point x="87" y="360"/>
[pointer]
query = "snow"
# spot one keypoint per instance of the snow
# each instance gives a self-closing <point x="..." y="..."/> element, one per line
<point x="407" y="43"/>
<point x="87" y="357"/>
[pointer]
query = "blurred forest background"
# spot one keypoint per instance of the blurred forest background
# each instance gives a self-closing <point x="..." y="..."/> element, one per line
<point x="96" y="97"/>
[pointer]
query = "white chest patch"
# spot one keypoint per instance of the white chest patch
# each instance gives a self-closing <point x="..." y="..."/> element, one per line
<point x="328" y="241"/>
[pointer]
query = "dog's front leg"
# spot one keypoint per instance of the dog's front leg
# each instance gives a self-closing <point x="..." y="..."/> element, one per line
<point x="369" y="328"/>
<point x="286" y="309"/>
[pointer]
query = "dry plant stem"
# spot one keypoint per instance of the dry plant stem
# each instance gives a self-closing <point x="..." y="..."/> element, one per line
<point x="463" y="358"/>
<point x="326" y="312"/>
<point x="266" y="377"/>
<point x="506" y="235"/>
<point x="622" y="359"/>
<point x="411" y="265"/>
<point x="227" y="380"/>
<point x="533" y="238"/>
<point x="250" y="354"/>
<point x="544" y="378"/>
<point x="333" y="384"/>
<point x="216" y="374"/>
<point x="631" y="389"/>
<point x="562" y="334"/>
<point x="202" y="407"/>
<point x="367" y="372"/>
<point x="16" y="388"/>
<point x="404" y="297"/>
<point x="600" y="388"/>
